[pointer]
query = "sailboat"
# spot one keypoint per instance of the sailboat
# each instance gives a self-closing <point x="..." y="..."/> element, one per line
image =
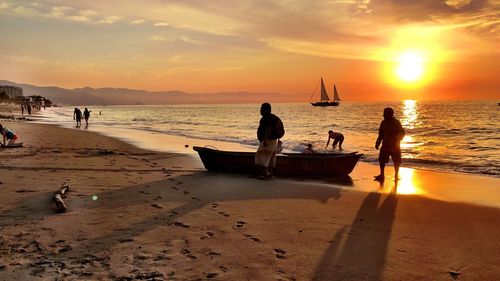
<point x="325" y="99"/>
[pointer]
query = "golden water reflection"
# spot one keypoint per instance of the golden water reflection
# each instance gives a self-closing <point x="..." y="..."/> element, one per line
<point x="410" y="114"/>
<point x="410" y="120"/>
<point x="408" y="183"/>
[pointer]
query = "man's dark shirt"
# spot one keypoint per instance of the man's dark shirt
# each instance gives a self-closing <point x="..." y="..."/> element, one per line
<point x="271" y="121"/>
<point x="390" y="134"/>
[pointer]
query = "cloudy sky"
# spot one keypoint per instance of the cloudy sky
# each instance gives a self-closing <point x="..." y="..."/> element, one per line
<point x="371" y="49"/>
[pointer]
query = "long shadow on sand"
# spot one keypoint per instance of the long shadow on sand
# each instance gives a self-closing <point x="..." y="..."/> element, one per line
<point x="235" y="188"/>
<point x="362" y="255"/>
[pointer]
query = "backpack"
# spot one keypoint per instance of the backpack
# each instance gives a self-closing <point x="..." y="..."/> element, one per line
<point x="279" y="130"/>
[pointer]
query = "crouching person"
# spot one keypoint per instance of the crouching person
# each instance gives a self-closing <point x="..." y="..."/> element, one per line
<point x="8" y="135"/>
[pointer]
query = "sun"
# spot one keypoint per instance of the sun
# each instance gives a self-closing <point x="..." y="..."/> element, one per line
<point x="410" y="66"/>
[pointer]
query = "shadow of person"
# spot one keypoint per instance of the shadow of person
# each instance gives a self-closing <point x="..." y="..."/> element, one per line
<point x="359" y="253"/>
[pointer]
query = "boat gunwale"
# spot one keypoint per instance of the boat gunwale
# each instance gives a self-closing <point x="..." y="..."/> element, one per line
<point x="284" y="155"/>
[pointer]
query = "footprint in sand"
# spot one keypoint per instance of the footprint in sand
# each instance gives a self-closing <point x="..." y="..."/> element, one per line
<point x="281" y="276"/>
<point x="211" y="275"/>
<point x="181" y="224"/>
<point x="208" y="235"/>
<point x="250" y="237"/>
<point x="154" y="205"/>
<point x="210" y="252"/>
<point x="280" y="254"/>
<point x="214" y="205"/>
<point x="223" y="214"/>
<point x="174" y="188"/>
<point x="240" y="224"/>
<point x="187" y="253"/>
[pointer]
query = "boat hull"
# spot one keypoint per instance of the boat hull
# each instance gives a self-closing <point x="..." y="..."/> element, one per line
<point x="290" y="164"/>
<point x="326" y="103"/>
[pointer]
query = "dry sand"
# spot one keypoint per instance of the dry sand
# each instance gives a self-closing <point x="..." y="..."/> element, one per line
<point x="142" y="215"/>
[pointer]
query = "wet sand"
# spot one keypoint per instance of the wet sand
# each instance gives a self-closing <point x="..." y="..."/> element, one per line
<point x="135" y="214"/>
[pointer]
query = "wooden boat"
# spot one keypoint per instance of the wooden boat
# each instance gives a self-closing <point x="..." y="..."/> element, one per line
<point x="289" y="164"/>
<point x="325" y="99"/>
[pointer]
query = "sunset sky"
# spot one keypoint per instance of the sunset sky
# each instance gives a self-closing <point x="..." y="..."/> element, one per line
<point x="371" y="49"/>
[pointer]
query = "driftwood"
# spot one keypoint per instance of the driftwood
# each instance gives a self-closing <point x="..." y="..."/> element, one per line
<point x="58" y="198"/>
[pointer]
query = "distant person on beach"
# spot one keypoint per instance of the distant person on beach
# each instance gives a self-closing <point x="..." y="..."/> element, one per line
<point x="28" y="107"/>
<point x="77" y="115"/>
<point x="22" y="109"/>
<point x="336" y="137"/>
<point x="309" y="149"/>
<point x="7" y="135"/>
<point x="86" y="115"/>
<point x="269" y="132"/>
<point x="390" y="134"/>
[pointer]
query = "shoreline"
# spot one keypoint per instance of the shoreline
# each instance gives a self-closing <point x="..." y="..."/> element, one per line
<point x="131" y="135"/>
<point x="361" y="177"/>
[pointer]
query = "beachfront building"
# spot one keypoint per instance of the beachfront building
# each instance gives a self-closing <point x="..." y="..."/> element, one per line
<point x="11" y="91"/>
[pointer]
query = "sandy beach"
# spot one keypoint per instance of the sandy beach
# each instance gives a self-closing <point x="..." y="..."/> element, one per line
<point x="135" y="214"/>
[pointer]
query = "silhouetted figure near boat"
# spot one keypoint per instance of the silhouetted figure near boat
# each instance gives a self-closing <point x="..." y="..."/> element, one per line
<point x="86" y="116"/>
<point x="28" y="107"/>
<point x="309" y="149"/>
<point x="390" y="135"/>
<point x="8" y="135"/>
<point x="22" y="109"/>
<point x="337" y="138"/>
<point x="77" y="115"/>
<point x="270" y="130"/>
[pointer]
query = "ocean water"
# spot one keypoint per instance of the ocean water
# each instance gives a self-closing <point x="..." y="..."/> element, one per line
<point x="460" y="136"/>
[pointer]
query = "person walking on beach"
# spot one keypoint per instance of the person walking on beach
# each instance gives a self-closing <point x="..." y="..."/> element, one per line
<point x="22" y="109"/>
<point x="336" y="137"/>
<point x="28" y="107"/>
<point x="86" y="115"/>
<point x="7" y="135"/>
<point x="390" y="134"/>
<point x="270" y="130"/>
<point x="77" y="115"/>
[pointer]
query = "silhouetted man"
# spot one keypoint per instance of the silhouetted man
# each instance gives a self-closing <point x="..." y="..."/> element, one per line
<point x="390" y="135"/>
<point x="77" y="115"/>
<point x="269" y="131"/>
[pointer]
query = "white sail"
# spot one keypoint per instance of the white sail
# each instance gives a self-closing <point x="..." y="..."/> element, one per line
<point x="324" y="95"/>
<point x="335" y="94"/>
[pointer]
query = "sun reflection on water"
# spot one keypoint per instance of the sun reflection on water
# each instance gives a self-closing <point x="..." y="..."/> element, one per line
<point x="410" y="120"/>
<point x="410" y="114"/>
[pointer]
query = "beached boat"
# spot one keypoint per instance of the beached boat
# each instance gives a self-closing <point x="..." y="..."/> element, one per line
<point x="325" y="99"/>
<point x="289" y="164"/>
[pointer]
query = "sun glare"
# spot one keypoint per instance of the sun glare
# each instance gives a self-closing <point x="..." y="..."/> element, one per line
<point x="410" y="66"/>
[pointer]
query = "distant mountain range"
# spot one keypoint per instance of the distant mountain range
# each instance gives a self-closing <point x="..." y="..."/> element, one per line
<point x="121" y="96"/>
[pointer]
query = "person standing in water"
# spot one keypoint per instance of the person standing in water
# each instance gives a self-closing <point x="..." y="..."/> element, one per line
<point x="390" y="134"/>
<point x="86" y="116"/>
<point x="77" y="115"/>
